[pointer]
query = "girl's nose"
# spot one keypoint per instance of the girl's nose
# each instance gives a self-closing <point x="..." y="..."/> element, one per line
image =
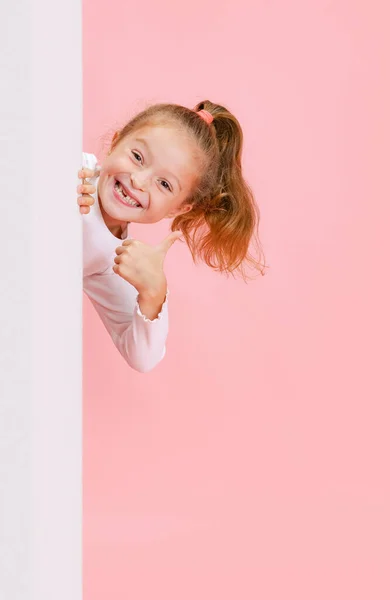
<point x="138" y="182"/>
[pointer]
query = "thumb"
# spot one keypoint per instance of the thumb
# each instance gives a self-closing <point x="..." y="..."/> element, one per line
<point x="169" y="241"/>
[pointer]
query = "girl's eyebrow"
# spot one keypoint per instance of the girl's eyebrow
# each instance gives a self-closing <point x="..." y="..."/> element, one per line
<point x="144" y="143"/>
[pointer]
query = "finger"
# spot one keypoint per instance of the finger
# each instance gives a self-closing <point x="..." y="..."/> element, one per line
<point x="169" y="241"/>
<point x="84" y="210"/>
<point x="85" y="200"/>
<point x="120" y="250"/>
<point x="86" y="189"/>
<point x="85" y="173"/>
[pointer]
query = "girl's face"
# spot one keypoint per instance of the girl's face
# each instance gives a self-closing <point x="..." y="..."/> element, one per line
<point x="148" y="176"/>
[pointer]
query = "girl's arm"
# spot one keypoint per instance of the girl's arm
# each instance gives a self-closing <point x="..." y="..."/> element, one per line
<point x="136" y="321"/>
<point x="140" y="341"/>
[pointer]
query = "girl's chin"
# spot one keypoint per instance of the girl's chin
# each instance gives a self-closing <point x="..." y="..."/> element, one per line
<point x="111" y="211"/>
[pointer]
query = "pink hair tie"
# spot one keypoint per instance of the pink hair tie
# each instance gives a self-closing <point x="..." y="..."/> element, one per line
<point x="206" y="116"/>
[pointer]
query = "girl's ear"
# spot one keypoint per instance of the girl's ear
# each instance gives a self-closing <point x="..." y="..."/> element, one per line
<point x="179" y="211"/>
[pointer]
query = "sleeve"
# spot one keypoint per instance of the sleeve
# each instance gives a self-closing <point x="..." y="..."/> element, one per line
<point x="89" y="161"/>
<point x="140" y="341"/>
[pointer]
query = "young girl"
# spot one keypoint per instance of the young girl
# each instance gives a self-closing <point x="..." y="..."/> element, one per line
<point x="167" y="162"/>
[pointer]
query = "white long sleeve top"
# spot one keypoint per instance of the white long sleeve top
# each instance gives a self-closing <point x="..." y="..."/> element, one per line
<point x="140" y="341"/>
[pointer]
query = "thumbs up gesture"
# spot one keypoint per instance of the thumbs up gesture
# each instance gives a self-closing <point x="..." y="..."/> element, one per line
<point x="142" y="266"/>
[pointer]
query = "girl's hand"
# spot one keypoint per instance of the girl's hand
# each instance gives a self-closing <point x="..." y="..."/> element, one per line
<point x="86" y="189"/>
<point x="142" y="266"/>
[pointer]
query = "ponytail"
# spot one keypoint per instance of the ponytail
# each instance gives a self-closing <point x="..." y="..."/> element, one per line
<point x="222" y="229"/>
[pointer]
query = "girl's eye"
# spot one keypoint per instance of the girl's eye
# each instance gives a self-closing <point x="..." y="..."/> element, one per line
<point x="166" y="185"/>
<point x="137" y="156"/>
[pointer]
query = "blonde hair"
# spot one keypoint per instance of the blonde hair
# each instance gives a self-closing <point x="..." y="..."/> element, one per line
<point x="222" y="227"/>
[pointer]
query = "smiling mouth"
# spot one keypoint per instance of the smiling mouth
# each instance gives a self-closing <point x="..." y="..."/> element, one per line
<point x="125" y="197"/>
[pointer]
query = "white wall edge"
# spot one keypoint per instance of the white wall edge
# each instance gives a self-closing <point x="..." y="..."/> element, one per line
<point x="41" y="301"/>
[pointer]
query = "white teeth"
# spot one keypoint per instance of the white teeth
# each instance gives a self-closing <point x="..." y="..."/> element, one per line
<point x="122" y="193"/>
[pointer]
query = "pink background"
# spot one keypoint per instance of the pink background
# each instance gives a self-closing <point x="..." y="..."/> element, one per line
<point x="253" y="462"/>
